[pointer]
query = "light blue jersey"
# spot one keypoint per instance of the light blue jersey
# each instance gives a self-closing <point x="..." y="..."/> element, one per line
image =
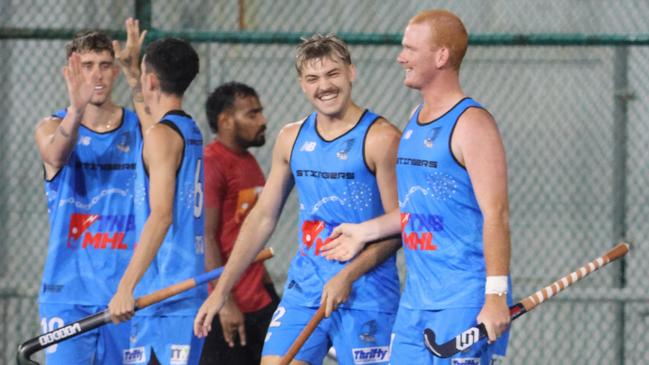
<point x="180" y="255"/>
<point x="91" y="215"/>
<point x="441" y="221"/>
<point x="335" y="185"/>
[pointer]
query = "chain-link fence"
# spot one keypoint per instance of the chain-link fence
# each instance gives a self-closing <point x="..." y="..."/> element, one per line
<point x="572" y="117"/>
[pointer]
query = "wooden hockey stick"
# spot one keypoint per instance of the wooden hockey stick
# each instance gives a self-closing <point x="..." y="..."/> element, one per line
<point x="474" y="334"/>
<point x="303" y="336"/>
<point x="29" y="347"/>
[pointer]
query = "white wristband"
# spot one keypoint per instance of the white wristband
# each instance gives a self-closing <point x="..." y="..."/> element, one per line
<point x="496" y="285"/>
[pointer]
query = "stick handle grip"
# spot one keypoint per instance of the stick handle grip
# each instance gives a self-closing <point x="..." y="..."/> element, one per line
<point x="303" y="336"/>
<point x="27" y="348"/>
<point x="553" y="289"/>
<point x="162" y="294"/>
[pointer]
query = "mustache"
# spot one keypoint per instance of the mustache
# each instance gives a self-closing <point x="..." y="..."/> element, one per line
<point x="328" y="91"/>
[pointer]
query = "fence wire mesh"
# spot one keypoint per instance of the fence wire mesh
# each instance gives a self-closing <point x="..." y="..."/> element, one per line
<point x="573" y="119"/>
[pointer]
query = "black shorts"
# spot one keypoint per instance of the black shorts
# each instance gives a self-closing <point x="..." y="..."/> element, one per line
<point x="216" y="350"/>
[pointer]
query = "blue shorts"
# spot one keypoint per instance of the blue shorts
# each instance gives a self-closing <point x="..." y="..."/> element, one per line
<point x="408" y="337"/>
<point x="359" y="336"/>
<point x="103" y="345"/>
<point x="171" y="338"/>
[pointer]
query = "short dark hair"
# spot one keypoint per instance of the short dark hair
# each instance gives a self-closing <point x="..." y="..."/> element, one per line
<point x="222" y="99"/>
<point x="174" y="61"/>
<point x="90" y="41"/>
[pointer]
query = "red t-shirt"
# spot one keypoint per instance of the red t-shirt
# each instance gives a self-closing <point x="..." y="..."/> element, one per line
<point x="232" y="183"/>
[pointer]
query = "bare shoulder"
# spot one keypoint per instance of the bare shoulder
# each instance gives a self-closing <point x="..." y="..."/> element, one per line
<point x="48" y="125"/>
<point x="288" y="133"/>
<point x="163" y="139"/>
<point x="476" y="119"/>
<point x="382" y="132"/>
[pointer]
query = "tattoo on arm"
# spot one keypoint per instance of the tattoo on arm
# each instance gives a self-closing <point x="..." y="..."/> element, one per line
<point x="128" y="60"/>
<point x="63" y="132"/>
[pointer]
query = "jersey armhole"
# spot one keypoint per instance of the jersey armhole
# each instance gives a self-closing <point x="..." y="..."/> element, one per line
<point x="450" y="137"/>
<point x="297" y="136"/>
<point x="175" y="128"/>
<point x="365" y="142"/>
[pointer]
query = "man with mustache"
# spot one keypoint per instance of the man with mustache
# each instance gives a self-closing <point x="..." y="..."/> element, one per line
<point x="233" y="181"/>
<point x="341" y="159"/>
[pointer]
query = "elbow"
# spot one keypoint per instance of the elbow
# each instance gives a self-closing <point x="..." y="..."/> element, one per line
<point x="56" y="161"/>
<point x="497" y="215"/>
<point x="162" y="219"/>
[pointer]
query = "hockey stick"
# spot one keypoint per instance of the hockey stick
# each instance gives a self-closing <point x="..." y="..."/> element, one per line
<point x="303" y="336"/>
<point x="29" y="347"/>
<point x="474" y="334"/>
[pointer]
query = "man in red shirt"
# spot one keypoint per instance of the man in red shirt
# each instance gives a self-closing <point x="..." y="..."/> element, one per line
<point x="233" y="180"/>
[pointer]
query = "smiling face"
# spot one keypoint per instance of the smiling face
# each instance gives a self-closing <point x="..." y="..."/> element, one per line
<point x="327" y="83"/>
<point x="101" y="69"/>
<point x="417" y="56"/>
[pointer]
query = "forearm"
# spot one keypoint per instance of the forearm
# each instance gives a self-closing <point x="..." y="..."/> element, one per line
<point x="213" y="257"/>
<point x="383" y="226"/>
<point x="143" y="113"/>
<point x="255" y="231"/>
<point x="372" y="256"/>
<point x="151" y="238"/>
<point x="57" y="150"/>
<point x="497" y="245"/>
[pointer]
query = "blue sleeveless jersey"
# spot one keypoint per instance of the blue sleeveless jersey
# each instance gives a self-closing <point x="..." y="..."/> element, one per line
<point x="91" y="215"/>
<point x="180" y="255"/>
<point x="441" y="221"/>
<point x="335" y="186"/>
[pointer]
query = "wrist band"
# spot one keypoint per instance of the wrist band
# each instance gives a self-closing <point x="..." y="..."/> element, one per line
<point x="496" y="285"/>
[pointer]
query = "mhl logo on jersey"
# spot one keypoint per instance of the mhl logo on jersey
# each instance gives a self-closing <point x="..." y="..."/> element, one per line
<point x="99" y="232"/>
<point x="417" y="230"/>
<point x="311" y="231"/>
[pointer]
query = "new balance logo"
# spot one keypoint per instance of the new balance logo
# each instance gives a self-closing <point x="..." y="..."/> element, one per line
<point x="308" y="146"/>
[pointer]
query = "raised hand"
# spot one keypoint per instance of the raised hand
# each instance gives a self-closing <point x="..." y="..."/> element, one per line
<point x="80" y="89"/>
<point x="128" y="57"/>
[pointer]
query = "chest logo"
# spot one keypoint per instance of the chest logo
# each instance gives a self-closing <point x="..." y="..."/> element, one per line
<point x="308" y="146"/>
<point x="346" y="146"/>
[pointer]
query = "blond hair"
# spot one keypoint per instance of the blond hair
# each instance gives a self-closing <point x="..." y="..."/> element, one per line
<point x="320" y="46"/>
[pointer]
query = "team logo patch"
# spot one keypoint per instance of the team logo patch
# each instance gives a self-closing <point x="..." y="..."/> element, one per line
<point x="371" y="355"/>
<point x="430" y="138"/>
<point x="85" y="140"/>
<point x="179" y="354"/>
<point x="466" y="361"/>
<point x="308" y="146"/>
<point x="135" y="355"/>
<point x="368" y="331"/>
<point x="347" y="145"/>
<point x="124" y="143"/>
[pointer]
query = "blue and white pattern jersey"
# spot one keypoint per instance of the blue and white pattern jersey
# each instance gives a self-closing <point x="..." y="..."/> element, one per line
<point x="441" y="221"/>
<point x="181" y="254"/>
<point x="91" y="215"/>
<point x="335" y="186"/>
